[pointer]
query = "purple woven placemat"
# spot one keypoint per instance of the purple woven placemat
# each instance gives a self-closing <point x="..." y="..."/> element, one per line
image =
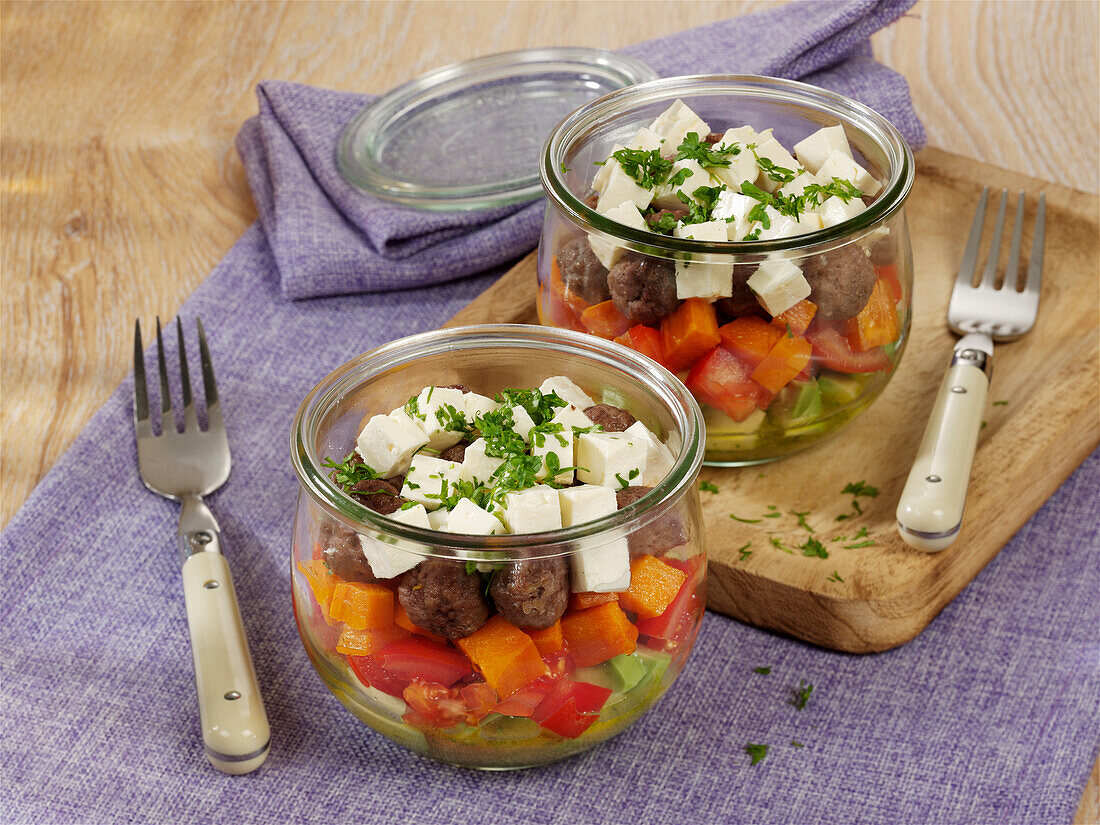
<point x="989" y="716"/>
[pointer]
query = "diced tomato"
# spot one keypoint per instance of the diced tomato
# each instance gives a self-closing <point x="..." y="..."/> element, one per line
<point x="722" y="380"/>
<point x="554" y="312"/>
<point x="559" y="663"/>
<point x="605" y="320"/>
<point x="372" y="674"/>
<point x="524" y="701"/>
<point x="889" y="273"/>
<point x="645" y="340"/>
<point x="690" y="565"/>
<point x="832" y="352"/>
<point x="439" y="705"/>
<point x="877" y="323"/>
<point x="787" y="359"/>
<point x="417" y="658"/>
<point x="479" y="700"/>
<point x="749" y="338"/>
<point x="797" y="318"/>
<point x="571" y="708"/>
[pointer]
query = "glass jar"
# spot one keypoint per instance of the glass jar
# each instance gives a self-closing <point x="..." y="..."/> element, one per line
<point x="758" y="407"/>
<point x="501" y="697"/>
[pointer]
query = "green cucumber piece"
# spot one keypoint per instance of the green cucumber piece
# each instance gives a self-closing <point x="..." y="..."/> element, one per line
<point x="498" y="728"/>
<point x="839" y="389"/>
<point x="799" y="404"/>
<point x="599" y="675"/>
<point x="626" y="670"/>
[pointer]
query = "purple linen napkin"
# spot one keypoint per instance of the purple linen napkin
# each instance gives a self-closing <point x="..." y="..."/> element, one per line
<point x="328" y="238"/>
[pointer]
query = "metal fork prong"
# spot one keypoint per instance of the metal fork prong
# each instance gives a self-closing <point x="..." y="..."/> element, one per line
<point x="969" y="262"/>
<point x="167" y="420"/>
<point x="1014" y="253"/>
<point x="190" y="420"/>
<point x="141" y="392"/>
<point x="989" y="275"/>
<point x="213" y="408"/>
<point x="1035" y="266"/>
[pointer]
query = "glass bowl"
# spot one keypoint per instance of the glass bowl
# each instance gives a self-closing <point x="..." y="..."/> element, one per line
<point x="754" y="411"/>
<point x="502" y="697"/>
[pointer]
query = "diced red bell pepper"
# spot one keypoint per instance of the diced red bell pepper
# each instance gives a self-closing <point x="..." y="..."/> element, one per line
<point x="674" y="625"/>
<point x="571" y="708"/>
<point x="645" y="340"/>
<point x="749" y="338"/>
<point x="797" y="318"/>
<point x="417" y="658"/>
<point x="605" y="320"/>
<point x="832" y="352"/>
<point x="373" y="675"/>
<point x="722" y="380"/>
<point x="877" y="323"/>
<point x="787" y="359"/>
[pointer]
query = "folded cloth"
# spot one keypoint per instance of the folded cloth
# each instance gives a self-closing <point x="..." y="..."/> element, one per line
<point x="328" y="238"/>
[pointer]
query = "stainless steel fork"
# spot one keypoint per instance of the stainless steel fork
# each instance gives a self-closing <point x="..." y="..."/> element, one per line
<point x="185" y="466"/>
<point x="931" y="507"/>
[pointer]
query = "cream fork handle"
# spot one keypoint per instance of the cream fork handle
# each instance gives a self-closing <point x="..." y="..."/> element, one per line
<point x="235" y="730"/>
<point x="930" y="511"/>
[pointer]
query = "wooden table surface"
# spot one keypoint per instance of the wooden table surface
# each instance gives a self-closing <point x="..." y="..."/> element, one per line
<point x="120" y="187"/>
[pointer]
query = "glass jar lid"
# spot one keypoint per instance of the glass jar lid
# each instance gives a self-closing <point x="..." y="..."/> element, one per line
<point x="469" y="135"/>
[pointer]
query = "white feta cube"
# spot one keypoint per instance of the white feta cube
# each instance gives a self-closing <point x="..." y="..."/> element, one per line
<point x="438" y="407"/>
<point x="387" y="442"/>
<point x="522" y="422"/>
<point x="603" y="569"/>
<point x="474" y="405"/>
<point x="567" y="391"/>
<point x="386" y="560"/>
<point x="467" y="517"/>
<point x="814" y="150"/>
<point x="773" y="150"/>
<point x="834" y="210"/>
<point x="429" y="479"/>
<point x="742" y="135"/>
<point x="605" y="249"/>
<point x="599" y="180"/>
<point x="477" y="467"/>
<point x="784" y="226"/>
<point x="840" y="165"/>
<point x="659" y="459"/>
<point x="438" y="518"/>
<point x="743" y="166"/>
<point x="666" y="195"/>
<point x="734" y="208"/>
<point x="778" y="285"/>
<point x="570" y="417"/>
<point x="613" y="460"/>
<point x="534" y="510"/>
<point x="619" y="187"/>
<point x="646" y="139"/>
<point x="704" y="279"/>
<point x="558" y="444"/>
<point x="674" y="123"/>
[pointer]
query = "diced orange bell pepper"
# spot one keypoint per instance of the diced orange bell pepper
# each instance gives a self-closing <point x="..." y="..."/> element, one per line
<point x="786" y="360"/>
<point x="750" y="338"/>
<point x="552" y="312"/>
<point x="583" y="601"/>
<point x="504" y="655"/>
<point x="354" y="642"/>
<point x="322" y="582"/>
<point x="548" y="640"/>
<point x="689" y="333"/>
<point x="797" y="318"/>
<point x="362" y="606"/>
<point x="877" y="323"/>
<point x="598" y="634"/>
<point x="889" y="273"/>
<point x="653" y="586"/>
<point x="645" y="340"/>
<point x="401" y="619"/>
<point x="604" y="320"/>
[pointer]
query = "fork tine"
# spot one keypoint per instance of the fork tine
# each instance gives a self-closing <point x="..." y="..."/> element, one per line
<point x="167" y="420"/>
<point x="989" y="276"/>
<point x="1035" y="266"/>
<point x="141" y="392"/>
<point x="1014" y="253"/>
<point x="969" y="261"/>
<point x="190" y="420"/>
<point x="213" y="408"/>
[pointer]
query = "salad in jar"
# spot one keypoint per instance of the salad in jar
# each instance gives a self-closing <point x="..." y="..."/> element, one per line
<point x="779" y="347"/>
<point x="529" y="657"/>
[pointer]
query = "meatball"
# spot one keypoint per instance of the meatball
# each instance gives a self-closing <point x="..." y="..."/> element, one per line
<point x="462" y="388"/>
<point x="441" y="597"/>
<point x="643" y="289"/>
<point x="654" y="218"/>
<point x="657" y="537"/>
<point x="742" y="301"/>
<point x="532" y="593"/>
<point x="456" y="452"/>
<point x="884" y="251"/>
<point x="714" y="137"/>
<point x="342" y="553"/>
<point x="378" y="494"/>
<point x="582" y="272"/>
<point x="612" y="419"/>
<point x="840" y="281"/>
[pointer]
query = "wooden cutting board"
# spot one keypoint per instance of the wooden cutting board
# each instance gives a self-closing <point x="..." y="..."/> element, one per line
<point x="1043" y="420"/>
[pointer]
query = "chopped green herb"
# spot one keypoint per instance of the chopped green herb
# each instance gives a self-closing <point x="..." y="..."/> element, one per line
<point x="408" y="505"/>
<point x="756" y="752"/>
<point x="779" y="545"/>
<point x="708" y="486"/>
<point x="845" y="190"/>
<point x="860" y="488"/>
<point x="802" y="520"/>
<point x="779" y="174"/>
<point x="692" y="148"/>
<point x="763" y="671"/>
<point x="471" y="568"/>
<point x="1000" y="403"/>
<point x="349" y="472"/>
<point x="801" y="694"/>
<point x="744" y="551"/>
<point x="647" y="168"/>
<point x="745" y="520"/>
<point x="813" y="547"/>
<point x="862" y="534"/>
<point x="773" y="506"/>
<point x="772" y="515"/>
<point x="858" y="545"/>
<point x="795" y="744"/>
<point x="984" y="425"/>
<point x="836" y="578"/>
<point x="412" y="408"/>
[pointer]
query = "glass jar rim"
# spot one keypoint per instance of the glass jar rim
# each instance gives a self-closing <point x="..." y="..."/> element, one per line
<point x="857" y="115"/>
<point x="357" y="372"/>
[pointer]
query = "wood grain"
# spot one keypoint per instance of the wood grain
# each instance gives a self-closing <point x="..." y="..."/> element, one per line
<point x="120" y="187"/>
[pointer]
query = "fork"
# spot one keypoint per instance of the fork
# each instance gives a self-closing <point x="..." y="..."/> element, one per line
<point x="184" y="466"/>
<point x="931" y="508"/>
